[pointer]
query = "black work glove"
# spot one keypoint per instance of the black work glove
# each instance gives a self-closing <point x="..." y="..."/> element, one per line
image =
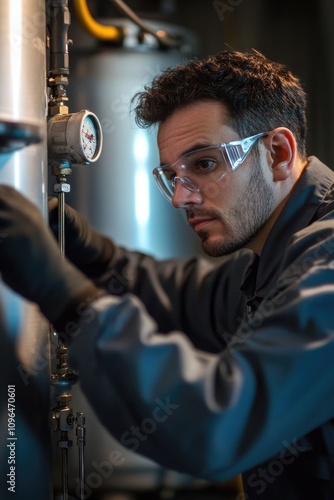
<point x="89" y="250"/>
<point x="31" y="263"/>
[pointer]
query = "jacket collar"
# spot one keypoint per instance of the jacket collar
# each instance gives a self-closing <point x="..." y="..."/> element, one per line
<point x="306" y="204"/>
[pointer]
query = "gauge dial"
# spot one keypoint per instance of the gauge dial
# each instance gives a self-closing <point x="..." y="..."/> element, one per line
<point x="74" y="138"/>
<point x="89" y="137"/>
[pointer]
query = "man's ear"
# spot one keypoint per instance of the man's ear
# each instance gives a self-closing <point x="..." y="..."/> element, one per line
<point x="283" y="149"/>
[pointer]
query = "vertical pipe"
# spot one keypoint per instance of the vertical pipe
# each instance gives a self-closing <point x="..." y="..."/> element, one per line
<point x="61" y="222"/>
<point x="64" y="470"/>
<point x="81" y="441"/>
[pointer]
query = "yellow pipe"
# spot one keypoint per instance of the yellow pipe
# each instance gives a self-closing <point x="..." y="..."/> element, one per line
<point x="101" y="31"/>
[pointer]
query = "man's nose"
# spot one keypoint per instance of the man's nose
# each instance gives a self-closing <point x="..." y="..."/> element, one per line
<point x="183" y="196"/>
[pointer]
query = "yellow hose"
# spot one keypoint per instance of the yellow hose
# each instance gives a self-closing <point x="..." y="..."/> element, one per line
<point x="101" y="31"/>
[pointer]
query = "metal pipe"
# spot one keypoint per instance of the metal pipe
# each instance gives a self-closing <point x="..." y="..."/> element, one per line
<point x="165" y="38"/>
<point x="81" y="442"/>
<point x="61" y="222"/>
<point x="64" y="469"/>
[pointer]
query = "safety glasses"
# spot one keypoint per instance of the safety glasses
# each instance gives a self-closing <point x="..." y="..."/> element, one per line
<point x="201" y="166"/>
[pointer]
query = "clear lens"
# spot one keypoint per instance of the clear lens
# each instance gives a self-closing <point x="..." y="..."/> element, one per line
<point x="203" y="165"/>
<point x="164" y="183"/>
<point x="205" y="162"/>
<point x="197" y="166"/>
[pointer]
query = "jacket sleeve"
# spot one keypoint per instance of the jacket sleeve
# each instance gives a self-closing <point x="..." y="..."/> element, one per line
<point x="196" y="296"/>
<point x="215" y="414"/>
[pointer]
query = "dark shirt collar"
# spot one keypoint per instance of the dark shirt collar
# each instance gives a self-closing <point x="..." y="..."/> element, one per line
<point x="307" y="203"/>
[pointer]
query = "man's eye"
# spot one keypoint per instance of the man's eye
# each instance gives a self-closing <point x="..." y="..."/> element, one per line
<point x="205" y="164"/>
<point x="169" y="174"/>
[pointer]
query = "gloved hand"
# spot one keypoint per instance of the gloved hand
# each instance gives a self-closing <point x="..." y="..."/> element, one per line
<point x="30" y="259"/>
<point x="89" y="250"/>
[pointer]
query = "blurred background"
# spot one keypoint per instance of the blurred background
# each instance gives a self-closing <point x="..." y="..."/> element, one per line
<point x="117" y="194"/>
<point x="297" y="34"/>
<point x="105" y="77"/>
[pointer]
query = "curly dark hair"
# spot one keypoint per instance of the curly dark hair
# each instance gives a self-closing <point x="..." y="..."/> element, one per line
<point x="259" y="94"/>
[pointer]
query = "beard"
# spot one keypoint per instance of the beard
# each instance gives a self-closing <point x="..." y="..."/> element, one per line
<point x="243" y="222"/>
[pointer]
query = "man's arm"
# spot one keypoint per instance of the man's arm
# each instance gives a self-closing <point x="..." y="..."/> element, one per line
<point x="193" y="295"/>
<point x="213" y="415"/>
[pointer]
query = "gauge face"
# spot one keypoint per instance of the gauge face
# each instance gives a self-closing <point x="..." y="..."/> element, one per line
<point x="89" y="137"/>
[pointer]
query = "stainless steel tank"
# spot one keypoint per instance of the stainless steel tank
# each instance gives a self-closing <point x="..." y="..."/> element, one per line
<point x="118" y="196"/>
<point x="24" y="347"/>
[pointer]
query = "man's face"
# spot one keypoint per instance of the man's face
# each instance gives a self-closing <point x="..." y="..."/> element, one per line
<point x="226" y="214"/>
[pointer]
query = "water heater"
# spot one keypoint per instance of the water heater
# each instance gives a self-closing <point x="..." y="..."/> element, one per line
<point x="118" y="194"/>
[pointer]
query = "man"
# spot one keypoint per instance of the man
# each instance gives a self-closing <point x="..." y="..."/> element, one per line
<point x="208" y="369"/>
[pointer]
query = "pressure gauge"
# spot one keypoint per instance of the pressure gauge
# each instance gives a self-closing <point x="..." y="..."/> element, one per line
<point x="75" y="138"/>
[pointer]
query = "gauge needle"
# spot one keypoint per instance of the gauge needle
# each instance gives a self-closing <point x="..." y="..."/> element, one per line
<point x="90" y="136"/>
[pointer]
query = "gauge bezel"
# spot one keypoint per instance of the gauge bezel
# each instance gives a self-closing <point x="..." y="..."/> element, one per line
<point x="65" y="138"/>
<point x="98" y="130"/>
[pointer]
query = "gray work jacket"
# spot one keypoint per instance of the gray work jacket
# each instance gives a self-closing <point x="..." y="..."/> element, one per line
<point x="213" y="369"/>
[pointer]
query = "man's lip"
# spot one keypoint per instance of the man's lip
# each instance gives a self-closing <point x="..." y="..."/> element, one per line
<point x="198" y="223"/>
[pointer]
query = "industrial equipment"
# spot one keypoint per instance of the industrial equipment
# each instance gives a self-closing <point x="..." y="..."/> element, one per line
<point x="47" y="133"/>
